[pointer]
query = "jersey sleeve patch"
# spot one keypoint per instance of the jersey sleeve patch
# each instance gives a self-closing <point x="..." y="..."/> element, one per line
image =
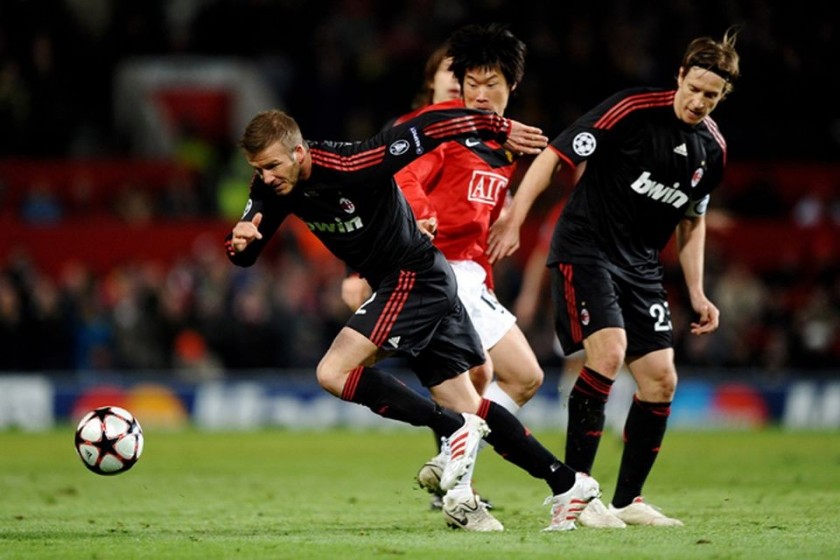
<point x="698" y="207"/>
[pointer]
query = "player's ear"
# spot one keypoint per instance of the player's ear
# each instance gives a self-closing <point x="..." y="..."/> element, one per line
<point x="298" y="154"/>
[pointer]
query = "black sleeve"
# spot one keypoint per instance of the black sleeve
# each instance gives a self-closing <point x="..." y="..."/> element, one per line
<point x="273" y="211"/>
<point x="394" y="148"/>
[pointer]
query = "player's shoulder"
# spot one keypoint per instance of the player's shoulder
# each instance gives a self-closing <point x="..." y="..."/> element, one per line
<point x="643" y="96"/>
<point x="332" y="145"/>
<point x="710" y="130"/>
<point x="443" y="105"/>
<point x="328" y="153"/>
<point x="340" y="161"/>
<point x="628" y="103"/>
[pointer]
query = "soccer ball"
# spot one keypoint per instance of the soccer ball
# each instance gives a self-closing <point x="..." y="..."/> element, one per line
<point x="109" y="440"/>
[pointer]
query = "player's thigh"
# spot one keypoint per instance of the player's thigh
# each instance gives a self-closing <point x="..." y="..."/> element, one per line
<point x="491" y="319"/>
<point x="404" y="312"/>
<point x="453" y="348"/>
<point x="647" y="318"/>
<point x="586" y="300"/>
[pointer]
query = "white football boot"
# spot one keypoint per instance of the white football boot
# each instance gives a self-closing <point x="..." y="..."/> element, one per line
<point x="566" y="507"/>
<point x="461" y="449"/>
<point x="640" y="512"/>
<point x="469" y="513"/>
<point x="428" y="477"/>
<point x="596" y="515"/>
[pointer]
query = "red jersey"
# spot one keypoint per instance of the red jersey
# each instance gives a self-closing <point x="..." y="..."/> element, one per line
<point x="464" y="184"/>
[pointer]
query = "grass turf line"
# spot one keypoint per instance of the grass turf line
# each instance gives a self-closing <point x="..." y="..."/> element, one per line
<point x="348" y="494"/>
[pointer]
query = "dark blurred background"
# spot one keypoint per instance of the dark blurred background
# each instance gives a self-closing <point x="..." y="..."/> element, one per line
<point x="344" y="67"/>
<point x="119" y="175"/>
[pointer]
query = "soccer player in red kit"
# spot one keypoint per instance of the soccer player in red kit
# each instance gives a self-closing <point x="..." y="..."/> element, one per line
<point x="346" y="195"/>
<point x="456" y="192"/>
<point x="653" y="156"/>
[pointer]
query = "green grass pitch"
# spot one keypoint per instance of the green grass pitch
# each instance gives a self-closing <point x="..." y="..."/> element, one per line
<point x="351" y="494"/>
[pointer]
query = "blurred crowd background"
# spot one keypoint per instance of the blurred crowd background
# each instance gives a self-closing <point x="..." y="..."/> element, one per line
<point x="119" y="173"/>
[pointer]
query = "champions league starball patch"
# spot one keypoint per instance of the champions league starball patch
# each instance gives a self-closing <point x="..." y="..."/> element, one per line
<point x="584" y="144"/>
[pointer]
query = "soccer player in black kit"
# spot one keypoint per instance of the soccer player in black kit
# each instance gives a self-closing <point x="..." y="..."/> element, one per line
<point x="346" y="195"/>
<point x="652" y="156"/>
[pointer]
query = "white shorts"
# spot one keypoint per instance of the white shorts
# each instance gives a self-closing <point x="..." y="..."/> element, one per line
<point x="490" y="318"/>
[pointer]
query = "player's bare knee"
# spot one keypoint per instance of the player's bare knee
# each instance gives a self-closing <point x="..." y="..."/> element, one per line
<point x="606" y="351"/>
<point x="658" y="386"/>
<point x="330" y="379"/>
<point x="668" y="386"/>
<point x="608" y="362"/>
<point x="323" y="376"/>
<point x="536" y="382"/>
<point x="529" y="385"/>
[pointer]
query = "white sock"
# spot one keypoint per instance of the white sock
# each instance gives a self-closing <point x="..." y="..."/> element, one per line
<point x="497" y="395"/>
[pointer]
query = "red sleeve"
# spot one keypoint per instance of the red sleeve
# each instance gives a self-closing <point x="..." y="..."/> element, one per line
<point x="413" y="178"/>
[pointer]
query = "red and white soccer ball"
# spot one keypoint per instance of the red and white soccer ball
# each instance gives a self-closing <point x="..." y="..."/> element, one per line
<point x="109" y="440"/>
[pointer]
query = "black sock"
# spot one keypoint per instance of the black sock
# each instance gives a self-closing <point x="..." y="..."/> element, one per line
<point x="514" y="442"/>
<point x="390" y="398"/>
<point x="586" y="418"/>
<point x="643" y="435"/>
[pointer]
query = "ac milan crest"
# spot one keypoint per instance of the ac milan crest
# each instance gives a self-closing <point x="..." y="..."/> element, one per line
<point x="347" y="205"/>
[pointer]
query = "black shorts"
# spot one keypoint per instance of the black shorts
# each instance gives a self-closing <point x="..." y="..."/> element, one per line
<point x="416" y="314"/>
<point x="589" y="297"/>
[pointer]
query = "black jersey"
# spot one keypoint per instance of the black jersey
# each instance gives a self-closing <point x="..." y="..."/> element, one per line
<point x="645" y="171"/>
<point x="351" y="202"/>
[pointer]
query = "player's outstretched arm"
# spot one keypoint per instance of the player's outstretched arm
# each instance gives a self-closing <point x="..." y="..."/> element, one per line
<point x="691" y="241"/>
<point x="245" y="232"/>
<point x="503" y="239"/>
<point x="524" y="139"/>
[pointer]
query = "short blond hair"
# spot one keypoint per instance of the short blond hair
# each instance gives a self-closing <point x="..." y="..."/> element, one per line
<point x="268" y="127"/>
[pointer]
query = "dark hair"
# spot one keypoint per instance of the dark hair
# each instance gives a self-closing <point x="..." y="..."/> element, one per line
<point x="427" y="91"/>
<point x="719" y="57"/>
<point x="268" y="127"/>
<point x="487" y="46"/>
